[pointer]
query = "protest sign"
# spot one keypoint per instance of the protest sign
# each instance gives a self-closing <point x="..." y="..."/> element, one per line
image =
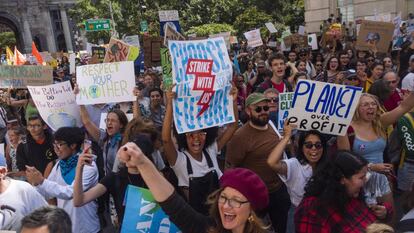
<point x="99" y="53"/>
<point x="226" y="37"/>
<point x="271" y="27"/>
<point x="169" y="18"/>
<point x="313" y="41"/>
<point x="301" y="30"/>
<point x="285" y="102"/>
<point x="26" y="75"/>
<point x="152" y="47"/>
<point x="102" y="124"/>
<point x="254" y="39"/>
<point x="171" y="34"/>
<point x="120" y="51"/>
<point x="325" y="107"/>
<point x="132" y="40"/>
<point x="143" y="214"/>
<point x="202" y="77"/>
<point x="167" y="80"/>
<point x="300" y="40"/>
<point x="105" y="83"/>
<point x="46" y="56"/>
<point x="56" y="104"/>
<point x="375" y="36"/>
<point x="72" y="63"/>
<point x="233" y="40"/>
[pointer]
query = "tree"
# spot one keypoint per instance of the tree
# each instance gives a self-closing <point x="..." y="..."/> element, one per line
<point x="251" y="19"/>
<point x="208" y="29"/>
<point x="7" y="39"/>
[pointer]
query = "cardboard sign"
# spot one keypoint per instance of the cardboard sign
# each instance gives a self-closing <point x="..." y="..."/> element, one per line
<point x="26" y="75"/>
<point x="167" y="80"/>
<point x="120" y="51"/>
<point x="271" y="27"/>
<point x="99" y="52"/>
<point x="132" y="40"/>
<point x="105" y="83"/>
<point x="202" y="79"/>
<point x="57" y="105"/>
<point x="301" y="30"/>
<point x="171" y="34"/>
<point x="313" y="41"/>
<point x="102" y="124"/>
<point x="325" y="107"/>
<point x="285" y="103"/>
<point x="226" y="37"/>
<point x="375" y="36"/>
<point x="233" y="40"/>
<point x="300" y="40"/>
<point x="143" y="214"/>
<point x="254" y="39"/>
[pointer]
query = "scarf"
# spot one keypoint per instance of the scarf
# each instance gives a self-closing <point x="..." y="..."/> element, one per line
<point x="113" y="141"/>
<point x="67" y="168"/>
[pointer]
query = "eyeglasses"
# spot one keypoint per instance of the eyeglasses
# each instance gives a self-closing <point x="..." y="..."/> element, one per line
<point x="59" y="145"/>
<point x="233" y="203"/>
<point x="258" y="109"/>
<point x="274" y="100"/>
<point x="366" y="105"/>
<point x="194" y="134"/>
<point x="34" y="126"/>
<point x="310" y="145"/>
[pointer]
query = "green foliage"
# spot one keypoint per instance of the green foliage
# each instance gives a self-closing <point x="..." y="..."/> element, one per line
<point x="251" y="19"/>
<point x="208" y="29"/>
<point x="7" y="39"/>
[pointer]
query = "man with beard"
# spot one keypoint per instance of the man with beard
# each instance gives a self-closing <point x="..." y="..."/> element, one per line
<point x="156" y="108"/>
<point x="250" y="148"/>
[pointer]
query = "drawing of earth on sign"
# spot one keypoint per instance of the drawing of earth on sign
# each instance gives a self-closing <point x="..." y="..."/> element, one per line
<point x="62" y="119"/>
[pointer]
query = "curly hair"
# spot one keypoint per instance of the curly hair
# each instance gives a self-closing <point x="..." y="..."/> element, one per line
<point x="302" y="137"/>
<point x="211" y="137"/>
<point x="326" y="185"/>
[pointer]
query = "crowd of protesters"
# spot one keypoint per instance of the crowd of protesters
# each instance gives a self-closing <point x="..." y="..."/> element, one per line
<point x="242" y="177"/>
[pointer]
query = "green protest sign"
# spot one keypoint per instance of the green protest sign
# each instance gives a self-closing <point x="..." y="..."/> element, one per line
<point x="166" y="69"/>
<point x="144" y="26"/>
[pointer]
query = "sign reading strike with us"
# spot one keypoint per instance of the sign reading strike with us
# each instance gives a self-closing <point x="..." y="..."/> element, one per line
<point x="202" y="72"/>
<point x="105" y="83"/>
<point x="56" y="104"/>
<point x="325" y="107"/>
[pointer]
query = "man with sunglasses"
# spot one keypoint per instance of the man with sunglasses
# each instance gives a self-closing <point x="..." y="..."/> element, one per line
<point x="250" y="147"/>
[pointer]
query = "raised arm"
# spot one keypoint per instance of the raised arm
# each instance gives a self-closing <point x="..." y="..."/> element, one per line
<point x="169" y="148"/>
<point x="136" y="111"/>
<point x="391" y="117"/>
<point x="274" y="159"/>
<point x="233" y="127"/>
<point x="92" y="129"/>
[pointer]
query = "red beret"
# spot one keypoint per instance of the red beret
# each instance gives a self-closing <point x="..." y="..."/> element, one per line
<point x="247" y="183"/>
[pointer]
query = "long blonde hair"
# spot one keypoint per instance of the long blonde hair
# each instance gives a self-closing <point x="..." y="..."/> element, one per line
<point x="376" y="123"/>
<point x="253" y="225"/>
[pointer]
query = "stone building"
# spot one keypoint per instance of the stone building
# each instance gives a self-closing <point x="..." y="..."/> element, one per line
<point x="318" y="10"/>
<point x="43" y="21"/>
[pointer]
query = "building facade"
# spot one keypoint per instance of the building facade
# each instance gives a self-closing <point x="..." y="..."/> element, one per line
<point x="351" y="10"/>
<point x="43" y="21"/>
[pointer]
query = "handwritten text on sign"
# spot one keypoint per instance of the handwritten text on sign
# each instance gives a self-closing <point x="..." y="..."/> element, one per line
<point x="23" y="76"/>
<point x="202" y="71"/>
<point x="325" y="107"/>
<point x="105" y="83"/>
<point x="56" y="104"/>
<point x="285" y="102"/>
<point x="143" y="214"/>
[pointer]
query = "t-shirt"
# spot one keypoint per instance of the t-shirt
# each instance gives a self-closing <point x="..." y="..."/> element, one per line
<point x="376" y="186"/>
<point x="116" y="184"/>
<point x="408" y="82"/>
<point x="280" y="87"/>
<point x="393" y="101"/>
<point x="200" y="168"/>
<point x="296" y="178"/>
<point x="249" y="148"/>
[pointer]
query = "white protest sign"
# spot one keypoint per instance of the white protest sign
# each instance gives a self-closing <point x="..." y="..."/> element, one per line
<point x="301" y="30"/>
<point x="397" y="22"/>
<point x="271" y="27"/>
<point x="105" y="83"/>
<point x="285" y="102"/>
<point x="102" y="124"/>
<point x="325" y="107"/>
<point x="2" y="150"/>
<point x="132" y="40"/>
<point x="56" y="104"/>
<point x="254" y="39"/>
<point x="202" y="80"/>
<point x="170" y="15"/>
<point x="72" y="63"/>
<point x="313" y="41"/>
<point x="225" y="35"/>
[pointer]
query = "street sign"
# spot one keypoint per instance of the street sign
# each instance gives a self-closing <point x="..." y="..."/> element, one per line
<point x="97" y="25"/>
<point x="144" y="26"/>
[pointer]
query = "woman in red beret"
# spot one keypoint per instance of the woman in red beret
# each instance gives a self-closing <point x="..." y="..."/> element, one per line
<point x="233" y="205"/>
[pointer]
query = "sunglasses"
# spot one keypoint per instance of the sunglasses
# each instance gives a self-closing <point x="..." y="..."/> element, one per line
<point x="310" y="145"/>
<point x="259" y="109"/>
<point x="302" y="55"/>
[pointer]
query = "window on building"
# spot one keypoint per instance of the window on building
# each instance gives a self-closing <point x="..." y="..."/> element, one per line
<point x="346" y="9"/>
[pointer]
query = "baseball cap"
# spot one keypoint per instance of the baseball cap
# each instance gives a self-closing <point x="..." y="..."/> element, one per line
<point x="255" y="98"/>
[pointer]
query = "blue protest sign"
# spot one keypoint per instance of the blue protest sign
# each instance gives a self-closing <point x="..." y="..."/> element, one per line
<point x="202" y="72"/>
<point x="325" y="107"/>
<point x="143" y="214"/>
<point x="173" y="24"/>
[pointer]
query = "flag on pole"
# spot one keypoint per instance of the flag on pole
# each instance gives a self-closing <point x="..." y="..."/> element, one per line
<point x="19" y="59"/>
<point x="9" y="56"/>
<point x="36" y="54"/>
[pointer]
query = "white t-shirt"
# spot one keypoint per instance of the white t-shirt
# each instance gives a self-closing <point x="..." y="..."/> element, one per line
<point x="22" y="197"/>
<point x="200" y="169"/>
<point x="296" y="178"/>
<point x="408" y="82"/>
